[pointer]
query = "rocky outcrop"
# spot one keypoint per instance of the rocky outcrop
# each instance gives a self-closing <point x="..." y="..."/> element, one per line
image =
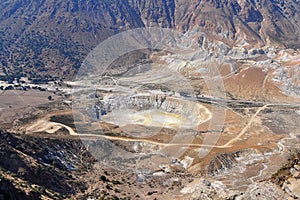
<point x="188" y="110"/>
<point x="9" y="191"/>
<point x="288" y="176"/>
<point x="31" y="165"/>
<point x="225" y="161"/>
<point x="292" y="185"/>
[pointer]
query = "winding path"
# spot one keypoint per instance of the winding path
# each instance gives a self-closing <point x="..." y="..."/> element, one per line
<point x="44" y="124"/>
<point x="244" y="130"/>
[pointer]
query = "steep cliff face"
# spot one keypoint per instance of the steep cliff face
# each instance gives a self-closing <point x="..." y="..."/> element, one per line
<point x="52" y="38"/>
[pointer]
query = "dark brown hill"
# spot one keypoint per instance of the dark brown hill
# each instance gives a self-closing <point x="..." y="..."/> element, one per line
<point x="50" y="38"/>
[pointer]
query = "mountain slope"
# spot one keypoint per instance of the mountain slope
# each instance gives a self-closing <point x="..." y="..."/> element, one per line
<point x="49" y="39"/>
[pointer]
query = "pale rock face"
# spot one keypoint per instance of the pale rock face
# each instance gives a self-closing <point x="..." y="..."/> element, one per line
<point x="292" y="187"/>
<point x="297" y="167"/>
<point x="158" y="110"/>
<point x="263" y="190"/>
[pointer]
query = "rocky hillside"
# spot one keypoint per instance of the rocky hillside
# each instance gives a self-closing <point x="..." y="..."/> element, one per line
<point x="49" y="39"/>
<point x="39" y="167"/>
<point x="258" y="22"/>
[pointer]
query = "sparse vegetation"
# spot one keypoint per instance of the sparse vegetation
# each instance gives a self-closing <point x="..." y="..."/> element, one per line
<point x="284" y="172"/>
<point x="46" y="43"/>
<point x="103" y="178"/>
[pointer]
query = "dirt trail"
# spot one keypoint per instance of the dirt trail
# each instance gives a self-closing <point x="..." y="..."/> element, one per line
<point x="244" y="130"/>
<point x="45" y="125"/>
<point x="147" y="141"/>
<point x="49" y="127"/>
